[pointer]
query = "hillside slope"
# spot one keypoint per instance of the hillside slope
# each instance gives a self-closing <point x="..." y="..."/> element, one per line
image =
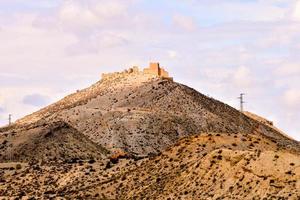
<point x="138" y="136"/>
<point x="143" y="114"/>
<point x="54" y="142"/>
<point x="217" y="166"/>
<point x="204" y="166"/>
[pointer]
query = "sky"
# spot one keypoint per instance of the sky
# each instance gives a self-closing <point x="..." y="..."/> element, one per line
<point x="50" y="48"/>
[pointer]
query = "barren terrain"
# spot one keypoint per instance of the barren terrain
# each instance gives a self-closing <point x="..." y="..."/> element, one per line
<point x="138" y="136"/>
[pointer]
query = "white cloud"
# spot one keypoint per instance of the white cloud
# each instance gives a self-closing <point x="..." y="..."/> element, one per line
<point x="94" y="43"/>
<point x="25" y="48"/>
<point x="234" y="10"/>
<point x="73" y="13"/>
<point x="77" y="15"/>
<point x="83" y="16"/>
<point x="12" y="76"/>
<point x="111" y="8"/>
<point x="172" y="54"/>
<point x="291" y="98"/>
<point x="242" y="77"/>
<point x="184" y="22"/>
<point x="35" y="100"/>
<point x="296" y="11"/>
<point x="288" y="69"/>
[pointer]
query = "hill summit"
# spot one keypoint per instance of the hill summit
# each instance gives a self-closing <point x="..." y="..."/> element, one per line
<point x="153" y="70"/>
<point x="140" y="135"/>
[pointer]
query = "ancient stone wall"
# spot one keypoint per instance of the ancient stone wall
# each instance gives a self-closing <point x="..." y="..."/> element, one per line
<point x="133" y="70"/>
<point x="153" y="69"/>
<point x="164" y="73"/>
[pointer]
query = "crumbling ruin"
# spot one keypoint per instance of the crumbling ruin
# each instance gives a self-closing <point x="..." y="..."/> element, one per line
<point x="154" y="69"/>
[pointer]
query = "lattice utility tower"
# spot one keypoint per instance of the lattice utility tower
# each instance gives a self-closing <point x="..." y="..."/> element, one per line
<point x="241" y="98"/>
<point x="9" y="119"/>
<point x="10" y="153"/>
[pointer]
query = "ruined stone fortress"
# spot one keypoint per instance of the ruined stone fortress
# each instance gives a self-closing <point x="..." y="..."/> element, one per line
<point x="154" y="70"/>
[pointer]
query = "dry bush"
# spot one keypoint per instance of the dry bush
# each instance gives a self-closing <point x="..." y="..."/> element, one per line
<point x="118" y="154"/>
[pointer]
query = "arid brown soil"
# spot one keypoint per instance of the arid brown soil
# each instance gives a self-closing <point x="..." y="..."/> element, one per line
<point x="137" y="136"/>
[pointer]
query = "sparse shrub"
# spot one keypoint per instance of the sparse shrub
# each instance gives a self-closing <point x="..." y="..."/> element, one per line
<point x="80" y="162"/>
<point x="158" y="180"/>
<point x="288" y="172"/>
<point x="91" y="161"/>
<point x="114" y="158"/>
<point x="92" y="170"/>
<point x="18" y="166"/>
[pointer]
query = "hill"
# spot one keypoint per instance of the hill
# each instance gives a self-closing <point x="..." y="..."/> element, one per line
<point x="53" y="142"/>
<point x="136" y="135"/>
<point x="143" y="114"/>
<point x="217" y="166"/>
<point x="203" y="166"/>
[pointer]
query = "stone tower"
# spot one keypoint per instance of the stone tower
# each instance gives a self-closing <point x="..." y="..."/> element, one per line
<point x="156" y="70"/>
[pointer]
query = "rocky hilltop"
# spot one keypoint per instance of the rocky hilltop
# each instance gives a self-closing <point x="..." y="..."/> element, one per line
<point x="140" y="135"/>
